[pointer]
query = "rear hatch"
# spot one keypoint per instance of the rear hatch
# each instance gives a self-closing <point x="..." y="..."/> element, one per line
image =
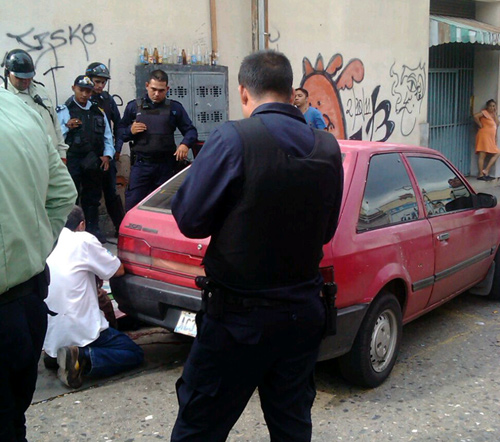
<point x="151" y="245"/>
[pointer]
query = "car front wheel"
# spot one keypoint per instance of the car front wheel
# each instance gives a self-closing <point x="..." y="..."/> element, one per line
<point x="377" y="343"/>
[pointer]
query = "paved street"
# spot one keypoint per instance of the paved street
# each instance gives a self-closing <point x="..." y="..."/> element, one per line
<point x="445" y="387"/>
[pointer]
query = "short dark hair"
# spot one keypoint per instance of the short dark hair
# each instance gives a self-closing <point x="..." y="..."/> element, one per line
<point x="266" y="71"/>
<point x="158" y="75"/>
<point x="303" y="90"/>
<point x="490" y="101"/>
<point x="75" y="217"/>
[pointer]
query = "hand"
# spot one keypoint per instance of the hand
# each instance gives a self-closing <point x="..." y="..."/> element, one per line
<point x="182" y="152"/>
<point x="117" y="156"/>
<point x="138" y="128"/>
<point x="105" y="163"/>
<point x="73" y="123"/>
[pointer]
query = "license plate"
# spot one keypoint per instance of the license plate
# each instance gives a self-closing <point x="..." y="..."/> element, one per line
<point x="186" y="325"/>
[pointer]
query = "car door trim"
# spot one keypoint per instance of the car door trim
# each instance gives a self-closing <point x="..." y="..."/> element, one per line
<point x="426" y="282"/>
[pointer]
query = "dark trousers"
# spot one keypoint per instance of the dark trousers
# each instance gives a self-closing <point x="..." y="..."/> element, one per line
<point x="274" y="350"/>
<point x="146" y="177"/>
<point x="113" y="201"/>
<point x="88" y="183"/>
<point x="23" y="324"/>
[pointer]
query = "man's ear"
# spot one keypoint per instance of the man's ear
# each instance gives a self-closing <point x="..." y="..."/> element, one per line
<point x="243" y="95"/>
<point x="147" y="84"/>
<point x="73" y="88"/>
<point x="292" y="97"/>
<point x="81" y="227"/>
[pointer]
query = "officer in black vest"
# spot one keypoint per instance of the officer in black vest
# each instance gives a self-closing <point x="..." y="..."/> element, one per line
<point x="88" y="135"/>
<point x="150" y="123"/>
<point x="267" y="189"/>
<point x="99" y="74"/>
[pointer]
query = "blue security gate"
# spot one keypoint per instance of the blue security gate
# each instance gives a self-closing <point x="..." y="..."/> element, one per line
<point x="451" y="69"/>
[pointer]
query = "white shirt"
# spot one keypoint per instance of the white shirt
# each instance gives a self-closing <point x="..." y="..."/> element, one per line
<point x="73" y="264"/>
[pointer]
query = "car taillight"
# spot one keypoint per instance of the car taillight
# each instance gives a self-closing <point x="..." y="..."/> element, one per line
<point x="327" y="273"/>
<point x="177" y="262"/>
<point x="134" y="250"/>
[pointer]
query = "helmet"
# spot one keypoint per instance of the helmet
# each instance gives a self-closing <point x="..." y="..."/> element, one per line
<point x="97" y="70"/>
<point x="20" y="64"/>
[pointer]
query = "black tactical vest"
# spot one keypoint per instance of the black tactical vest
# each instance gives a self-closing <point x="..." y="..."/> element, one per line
<point x="103" y="101"/>
<point x="90" y="135"/>
<point x="158" y="139"/>
<point x="274" y="235"/>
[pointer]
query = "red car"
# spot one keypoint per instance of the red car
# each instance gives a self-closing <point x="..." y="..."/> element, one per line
<point x="412" y="234"/>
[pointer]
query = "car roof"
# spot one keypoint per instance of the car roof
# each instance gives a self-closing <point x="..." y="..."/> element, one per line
<point x="379" y="147"/>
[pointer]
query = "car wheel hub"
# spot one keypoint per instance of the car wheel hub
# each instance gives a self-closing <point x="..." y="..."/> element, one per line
<point x="383" y="341"/>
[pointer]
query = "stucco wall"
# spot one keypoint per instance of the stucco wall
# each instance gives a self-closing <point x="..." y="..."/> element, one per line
<point x="375" y="89"/>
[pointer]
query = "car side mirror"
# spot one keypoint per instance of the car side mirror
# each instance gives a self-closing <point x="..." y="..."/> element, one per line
<point x="485" y="201"/>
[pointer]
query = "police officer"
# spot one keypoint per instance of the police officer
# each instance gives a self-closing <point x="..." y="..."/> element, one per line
<point x="267" y="189"/>
<point x="150" y="123"/>
<point x="36" y="196"/>
<point x="87" y="132"/>
<point x="99" y="74"/>
<point x="19" y="73"/>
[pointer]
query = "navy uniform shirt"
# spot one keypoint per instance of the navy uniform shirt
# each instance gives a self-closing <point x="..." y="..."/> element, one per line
<point x="214" y="183"/>
<point x="178" y="119"/>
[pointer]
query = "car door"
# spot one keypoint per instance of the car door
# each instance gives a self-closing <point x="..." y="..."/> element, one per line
<point x="462" y="235"/>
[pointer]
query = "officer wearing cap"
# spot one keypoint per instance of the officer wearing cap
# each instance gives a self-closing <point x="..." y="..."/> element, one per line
<point x="88" y="135"/>
<point x="99" y="74"/>
<point x="150" y="122"/>
<point x="19" y="73"/>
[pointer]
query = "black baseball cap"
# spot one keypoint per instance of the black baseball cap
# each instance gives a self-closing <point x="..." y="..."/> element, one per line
<point x="83" y="81"/>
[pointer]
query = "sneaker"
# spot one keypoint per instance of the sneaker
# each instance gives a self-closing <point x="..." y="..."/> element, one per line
<point x="71" y="365"/>
<point x="481" y="178"/>
<point x="50" y="362"/>
<point x="489" y="178"/>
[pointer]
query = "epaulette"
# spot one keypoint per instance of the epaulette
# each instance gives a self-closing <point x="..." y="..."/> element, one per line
<point x="60" y="108"/>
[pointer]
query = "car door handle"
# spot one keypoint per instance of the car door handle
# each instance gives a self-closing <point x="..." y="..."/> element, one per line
<point x="443" y="236"/>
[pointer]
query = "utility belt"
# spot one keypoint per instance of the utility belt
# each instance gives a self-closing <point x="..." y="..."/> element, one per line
<point x="40" y="282"/>
<point x="150" y="159"/>
<point x="216" y="300"/>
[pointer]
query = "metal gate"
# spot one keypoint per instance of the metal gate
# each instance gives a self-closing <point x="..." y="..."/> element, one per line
<point x="450" y="90"/>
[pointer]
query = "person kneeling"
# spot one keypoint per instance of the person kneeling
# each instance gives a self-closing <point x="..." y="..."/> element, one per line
<point x="79" y="335"/>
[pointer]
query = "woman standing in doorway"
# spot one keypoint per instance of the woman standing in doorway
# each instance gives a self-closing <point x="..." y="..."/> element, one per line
<point x="486" y="137"/>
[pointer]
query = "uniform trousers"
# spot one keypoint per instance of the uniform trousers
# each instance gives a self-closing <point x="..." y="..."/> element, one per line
<point x="23" y="324"/>
<point x="147" y="176"/>
<point x="271" y="349"/>
<point x="88" y="183"/>
<point x="113" y="201"/>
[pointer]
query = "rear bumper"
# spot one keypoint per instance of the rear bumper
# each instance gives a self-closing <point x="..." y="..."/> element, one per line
<point x="152" y="301"/>
<point x="161" y="304"/>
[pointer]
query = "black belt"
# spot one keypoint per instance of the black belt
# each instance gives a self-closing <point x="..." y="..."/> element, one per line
<point x="152" y="160"/>
<point x="216" y="300"/>
<point x="20" y="290"/>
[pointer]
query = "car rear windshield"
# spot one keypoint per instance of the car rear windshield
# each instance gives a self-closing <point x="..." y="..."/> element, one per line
<point x="161" y="201"/>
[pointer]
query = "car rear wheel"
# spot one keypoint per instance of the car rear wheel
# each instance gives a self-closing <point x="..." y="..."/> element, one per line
<point x="495" y="287"/>
<point x="377" y="343"/>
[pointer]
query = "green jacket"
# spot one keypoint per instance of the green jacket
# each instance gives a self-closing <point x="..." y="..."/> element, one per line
<point x="36" y="192"/>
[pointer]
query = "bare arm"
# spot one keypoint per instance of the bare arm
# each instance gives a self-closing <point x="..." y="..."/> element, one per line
<point x="477" y="119"/>
<point x="120" y="271"/>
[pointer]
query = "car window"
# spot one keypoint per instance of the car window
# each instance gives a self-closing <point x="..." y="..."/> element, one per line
<point x="389" y="197"/>
<point x="161" y="201"/>
<point x="442" y="190"/>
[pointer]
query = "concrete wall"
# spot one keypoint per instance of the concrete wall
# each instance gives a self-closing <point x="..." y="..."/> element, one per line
<point x="364" y="61"/>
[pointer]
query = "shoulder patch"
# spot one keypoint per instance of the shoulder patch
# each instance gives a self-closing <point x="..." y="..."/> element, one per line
<point x="60" y="108"/>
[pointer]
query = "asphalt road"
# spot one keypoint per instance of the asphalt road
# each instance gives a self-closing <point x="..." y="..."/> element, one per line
<point x="445" y="387"/>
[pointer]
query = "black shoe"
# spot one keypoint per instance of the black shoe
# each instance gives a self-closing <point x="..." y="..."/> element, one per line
<point x="481" y="178"/>
<point x="50" y="362"/>
<point x="489" y="178"/>
<point x="71" y="365"/>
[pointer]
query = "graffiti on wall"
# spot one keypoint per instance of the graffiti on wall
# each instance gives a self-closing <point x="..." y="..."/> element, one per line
<point x="363" y="116"/>
<point x="53" y="50"/>
<point x="408" y="89"/>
